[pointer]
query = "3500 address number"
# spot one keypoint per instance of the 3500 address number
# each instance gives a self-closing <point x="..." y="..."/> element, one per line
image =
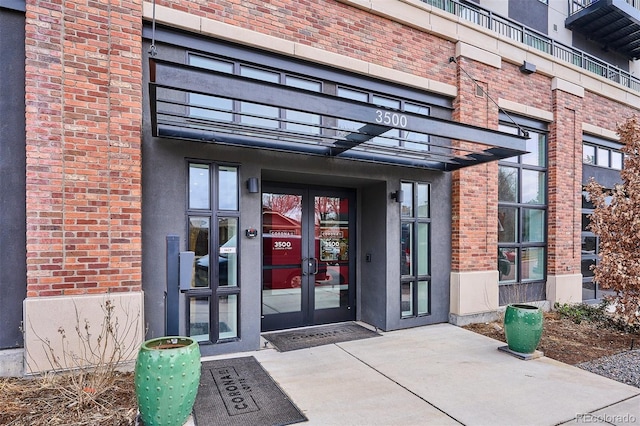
<point x="389" y="118"/>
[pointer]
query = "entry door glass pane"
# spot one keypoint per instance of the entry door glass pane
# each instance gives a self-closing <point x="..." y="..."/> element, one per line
<point x="331" y="223"/>
<point x="282" y="253"/>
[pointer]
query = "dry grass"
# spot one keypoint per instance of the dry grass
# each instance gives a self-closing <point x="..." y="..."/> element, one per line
<point x="58" y="400"/>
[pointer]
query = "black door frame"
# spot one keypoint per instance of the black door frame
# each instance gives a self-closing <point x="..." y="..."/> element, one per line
<point x="308" y="314"/>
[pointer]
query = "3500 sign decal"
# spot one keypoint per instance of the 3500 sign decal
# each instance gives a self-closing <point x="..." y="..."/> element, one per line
<point x="389" y="118"/>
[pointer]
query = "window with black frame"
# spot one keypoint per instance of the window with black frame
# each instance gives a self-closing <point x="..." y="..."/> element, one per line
<point x="415" y="250"/>
<point x="214" y="297"/>
<point x="522" y="220"/>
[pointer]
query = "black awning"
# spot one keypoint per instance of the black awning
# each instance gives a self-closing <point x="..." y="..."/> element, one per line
<point x="613" y="23"/>
<point x="198" y="104"/>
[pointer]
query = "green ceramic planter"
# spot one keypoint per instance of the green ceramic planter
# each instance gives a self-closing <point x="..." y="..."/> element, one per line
<point x="523" y="327"/>
<point x="167" y="376"/>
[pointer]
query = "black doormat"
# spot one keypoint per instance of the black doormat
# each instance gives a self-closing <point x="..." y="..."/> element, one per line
<point x="317" y="336"/>
<point x="239" y="392"/>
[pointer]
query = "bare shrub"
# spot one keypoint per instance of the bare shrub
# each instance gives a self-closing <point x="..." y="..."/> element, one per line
<point x="616" y="221"/>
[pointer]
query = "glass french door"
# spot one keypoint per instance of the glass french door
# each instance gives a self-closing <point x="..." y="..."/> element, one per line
<point x="308" y="256"/>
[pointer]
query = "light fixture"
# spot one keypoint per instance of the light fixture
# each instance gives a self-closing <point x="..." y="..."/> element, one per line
<point x="253" y="185"/>
<point x="398" y="196"/>
<point x="527" y="68"/>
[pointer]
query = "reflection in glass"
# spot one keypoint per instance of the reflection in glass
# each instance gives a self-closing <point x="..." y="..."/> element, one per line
<point x="331" y="287"/>
<point x="423" y="200"/>
<point x="616" y="160"/>
<point x="589" y="245"/>
<point x="199" y="244"/>
<point x="355" y="95"/>
<point x="406" y="299"/>
<point x="406" y="255"/>
<point x="303" y="83"/>
<point x="228" y="316"/>
<point x="254" y="114"/>
<point x="533" y="187"/>
<point x="406" y="209"/>
<point x="259" y="74"/>
<point x="227" y="188"/>
<point x="210" y="107"/>
<point x="303" y="117"/>
<point x="199" y="186"/>
<point x="533" y="263"/>
<point x="507" y="264"/>
<point x="199" y="318"/>
<point x="602" y="157"/>
<point x="281" y="290"/>
<point x="507" y="184"/>
<point x="507" y="224"/>
<point x="533" y="225"/>
<point x="228" y="252"/>
<point x="210" y="63"/>
<point x="423" y="297"/>
<point x="588" y="154"/>
<point x="423" y="248"/>
<point x="586" y="265"/>
<point x="586" y="221"/>
<point x="536" y="145"/>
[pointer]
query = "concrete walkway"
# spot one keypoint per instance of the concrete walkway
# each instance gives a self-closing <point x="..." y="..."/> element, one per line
<point x="442" y="375"/>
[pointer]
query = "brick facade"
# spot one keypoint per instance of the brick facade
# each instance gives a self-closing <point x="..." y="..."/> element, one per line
<point x="84" y="65"/>
<point x="83" y="129"/>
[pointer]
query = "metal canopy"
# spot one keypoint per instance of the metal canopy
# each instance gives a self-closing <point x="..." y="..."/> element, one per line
<point x="193" y="103"/>
<point x="613" y="23"/>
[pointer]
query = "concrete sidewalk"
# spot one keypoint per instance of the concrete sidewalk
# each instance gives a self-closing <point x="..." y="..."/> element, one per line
<point x="442" y="375"/>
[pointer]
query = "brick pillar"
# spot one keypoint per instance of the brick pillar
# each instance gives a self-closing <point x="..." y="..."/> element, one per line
<point x="83" y="185"/>
<point x="474" y="279"/>
<point x="564" y="280"/>
<point x="83" y="129"/>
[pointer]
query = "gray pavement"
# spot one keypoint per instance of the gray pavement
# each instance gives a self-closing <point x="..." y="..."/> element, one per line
<point x="442" y="375"/>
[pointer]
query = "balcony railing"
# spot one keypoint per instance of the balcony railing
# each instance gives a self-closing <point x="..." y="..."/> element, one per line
<point x="576" y="6"/>
<point x="537" y="40"/>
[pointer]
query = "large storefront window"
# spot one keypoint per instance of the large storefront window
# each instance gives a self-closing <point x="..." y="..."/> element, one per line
<point x="415" y="250"/>
<point x="214" y="296"/>
<point x="522" y="218"/>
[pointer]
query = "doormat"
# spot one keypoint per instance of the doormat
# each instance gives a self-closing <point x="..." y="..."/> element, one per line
<point x="239" y="392"/>
<point x="317" y="336"/>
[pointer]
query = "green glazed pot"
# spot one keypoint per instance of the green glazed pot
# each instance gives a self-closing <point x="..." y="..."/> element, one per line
<point x="167" y="376"/>
<point x="523" y="327"/>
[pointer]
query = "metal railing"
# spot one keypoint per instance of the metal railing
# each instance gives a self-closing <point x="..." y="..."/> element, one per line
<point x="539" y="41"/>
<point x="576" y="6"/>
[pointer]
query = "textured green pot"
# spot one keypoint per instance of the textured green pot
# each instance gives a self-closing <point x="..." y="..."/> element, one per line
<point x="523" y="327"/>
<point x="167" y="376"/>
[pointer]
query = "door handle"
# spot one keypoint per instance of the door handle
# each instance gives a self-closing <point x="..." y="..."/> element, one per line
<point x="313" y="263"/>
<point x="304" y="266"/>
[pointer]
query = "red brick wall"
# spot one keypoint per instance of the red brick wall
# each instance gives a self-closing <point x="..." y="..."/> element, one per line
<point x="334" y="27"/>
<point x="474" y="193"/>
<point x="564" y="184"/>
<point x="83" y="115"/>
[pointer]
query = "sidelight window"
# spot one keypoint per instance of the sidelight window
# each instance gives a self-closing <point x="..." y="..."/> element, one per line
<point x="415" y="250"/>
<point x="213" y="222"/>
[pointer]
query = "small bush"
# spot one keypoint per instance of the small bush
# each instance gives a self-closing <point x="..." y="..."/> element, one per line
<point x="595" y="314"/>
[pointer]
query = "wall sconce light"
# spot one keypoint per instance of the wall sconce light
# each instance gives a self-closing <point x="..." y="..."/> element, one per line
<point x="398" y="196"/>
<point x="253" y="185"/>
<point x="527" y="68"/>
